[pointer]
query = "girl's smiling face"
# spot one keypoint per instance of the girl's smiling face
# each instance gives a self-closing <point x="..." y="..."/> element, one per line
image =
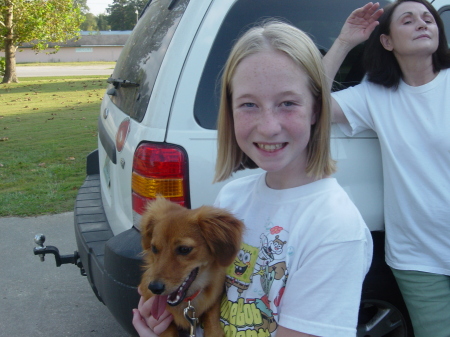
<point x="273" y="110"/>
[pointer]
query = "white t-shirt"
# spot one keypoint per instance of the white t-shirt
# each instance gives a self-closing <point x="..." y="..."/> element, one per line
<point x="413" y="127"/>
<point x="305" y="253"/>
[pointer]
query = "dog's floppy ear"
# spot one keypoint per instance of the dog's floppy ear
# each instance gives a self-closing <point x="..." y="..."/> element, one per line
<point x="147" y="224"/>
<point x="222" y="232"/>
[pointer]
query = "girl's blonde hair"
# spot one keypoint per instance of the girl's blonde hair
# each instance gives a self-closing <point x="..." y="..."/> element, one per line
<point x="278" y="36"/>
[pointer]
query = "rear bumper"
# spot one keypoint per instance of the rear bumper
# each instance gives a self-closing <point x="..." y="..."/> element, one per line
<point x="112" y="263"/>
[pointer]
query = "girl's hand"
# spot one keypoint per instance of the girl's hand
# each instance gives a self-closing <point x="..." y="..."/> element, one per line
<point x="145" y="324"/>
<point x="360" y="24"/>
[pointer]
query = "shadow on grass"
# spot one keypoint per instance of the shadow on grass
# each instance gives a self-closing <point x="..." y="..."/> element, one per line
<point x="44" y="140"/>
<point x="52" y="84"/>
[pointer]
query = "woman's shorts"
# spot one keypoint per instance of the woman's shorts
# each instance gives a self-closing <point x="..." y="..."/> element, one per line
<point x="427" y="297"/>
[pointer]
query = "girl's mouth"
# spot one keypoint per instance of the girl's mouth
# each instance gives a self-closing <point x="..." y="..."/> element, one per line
<point x="270" y="147"/>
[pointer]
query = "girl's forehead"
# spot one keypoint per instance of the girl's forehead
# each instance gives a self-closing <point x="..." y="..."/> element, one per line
<point x="265" y="54"/>
<point x="267" y="59"/>
<point x="275" y="64"/>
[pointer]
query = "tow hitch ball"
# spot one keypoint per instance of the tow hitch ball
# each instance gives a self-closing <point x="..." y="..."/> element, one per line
<point x="41" y="250"/>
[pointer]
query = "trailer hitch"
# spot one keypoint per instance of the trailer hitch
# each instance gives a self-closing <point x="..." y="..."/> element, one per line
<point x="41" y="250"/>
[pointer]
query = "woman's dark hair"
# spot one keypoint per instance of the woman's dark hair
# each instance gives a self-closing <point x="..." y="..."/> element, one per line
<point x="382" y="66"/>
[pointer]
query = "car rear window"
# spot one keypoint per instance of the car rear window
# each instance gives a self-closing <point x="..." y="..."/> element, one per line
<point x="445" y="16"/>
<point x="322" y="20"/>
<point x="142" y="56"/>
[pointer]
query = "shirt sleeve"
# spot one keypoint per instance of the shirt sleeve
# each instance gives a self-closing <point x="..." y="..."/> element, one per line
<point x="322" y="296"/>
<point x="355" y="105"/>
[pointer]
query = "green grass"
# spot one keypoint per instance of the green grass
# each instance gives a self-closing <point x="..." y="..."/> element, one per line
<point x="74" y="64"/>
<point x="47" y="127"/>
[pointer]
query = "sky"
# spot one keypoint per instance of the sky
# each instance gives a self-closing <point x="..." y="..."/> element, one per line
<point x="97" y="7"/>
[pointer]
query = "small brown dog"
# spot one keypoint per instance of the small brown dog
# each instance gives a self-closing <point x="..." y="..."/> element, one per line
<point x="186" y="253"/>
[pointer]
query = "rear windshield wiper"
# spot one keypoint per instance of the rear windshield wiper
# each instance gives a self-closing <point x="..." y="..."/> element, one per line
<point x="118" y="83"/>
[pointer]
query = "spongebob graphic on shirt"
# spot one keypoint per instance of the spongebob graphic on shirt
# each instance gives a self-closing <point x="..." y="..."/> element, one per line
<point x="255" y="285"/>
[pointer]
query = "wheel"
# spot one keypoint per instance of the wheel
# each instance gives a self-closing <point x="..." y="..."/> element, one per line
<point x="380" y="319"/>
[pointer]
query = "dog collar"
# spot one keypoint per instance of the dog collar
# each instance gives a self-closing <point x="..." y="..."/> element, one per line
<point x="190" y="298"/>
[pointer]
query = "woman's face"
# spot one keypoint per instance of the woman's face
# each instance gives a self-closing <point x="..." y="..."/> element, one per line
<point x="413" y="31"/>
<point x="273" y="111"/>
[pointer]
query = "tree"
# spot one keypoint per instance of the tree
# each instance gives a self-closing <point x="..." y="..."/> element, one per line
<point x="102" y="22"/>
<point x="82" y="5"/>
<point x="38" y="22"/>
<point x="122" y="13"/>
<point x="90" y="22"/>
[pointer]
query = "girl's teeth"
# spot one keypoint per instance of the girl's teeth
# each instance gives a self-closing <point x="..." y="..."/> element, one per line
<point x="270" y="147"/>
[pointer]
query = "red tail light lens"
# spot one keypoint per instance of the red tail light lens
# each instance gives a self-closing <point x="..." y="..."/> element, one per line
<point x="159" y="170"/>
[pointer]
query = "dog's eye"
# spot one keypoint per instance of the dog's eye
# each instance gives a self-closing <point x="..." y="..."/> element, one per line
<point x="184" y="250"/>
<point x="154" y="250"/>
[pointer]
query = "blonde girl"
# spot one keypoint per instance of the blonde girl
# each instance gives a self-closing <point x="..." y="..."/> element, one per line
<point x="306" y="249"/>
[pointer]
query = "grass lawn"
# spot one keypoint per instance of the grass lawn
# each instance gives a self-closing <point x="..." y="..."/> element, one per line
<point x="73" y="64"/>
<point x="47" y="127"/>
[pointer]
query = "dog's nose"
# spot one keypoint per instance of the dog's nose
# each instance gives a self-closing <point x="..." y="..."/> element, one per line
<point x="156" y="287"/>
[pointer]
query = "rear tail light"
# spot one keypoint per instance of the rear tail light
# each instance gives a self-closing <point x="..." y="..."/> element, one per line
<point x="159" y="170"/>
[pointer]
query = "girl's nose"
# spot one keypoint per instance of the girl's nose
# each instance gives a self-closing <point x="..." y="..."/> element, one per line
<point x="269" y="124"/>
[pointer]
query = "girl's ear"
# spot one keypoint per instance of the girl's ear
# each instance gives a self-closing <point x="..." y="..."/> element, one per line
<point x="386" y="42"/>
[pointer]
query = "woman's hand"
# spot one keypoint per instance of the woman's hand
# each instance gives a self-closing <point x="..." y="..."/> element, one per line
<point x="360" y="24"/>
<point x="145" y="324"/>
<point x="357" y="28"/>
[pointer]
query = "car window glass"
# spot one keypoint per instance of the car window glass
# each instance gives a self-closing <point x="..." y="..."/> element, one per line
<point x="322" y="20"/>
<point x="445" y="16"/>
<point x="141" y="58"/>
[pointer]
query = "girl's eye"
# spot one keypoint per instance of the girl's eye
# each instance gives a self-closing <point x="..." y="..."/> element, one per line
<point x="286" y="104"/>
<point x="248" y="105"/>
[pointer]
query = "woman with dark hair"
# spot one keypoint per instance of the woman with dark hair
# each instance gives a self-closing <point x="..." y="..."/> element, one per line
<point x="405" y="100"/>
<point x="382" y="66"/>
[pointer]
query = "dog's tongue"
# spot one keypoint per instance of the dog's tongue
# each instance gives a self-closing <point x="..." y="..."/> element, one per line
<point x="159" y="306"/>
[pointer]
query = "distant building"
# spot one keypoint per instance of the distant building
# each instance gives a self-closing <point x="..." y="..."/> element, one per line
<point x="92" y="46"/>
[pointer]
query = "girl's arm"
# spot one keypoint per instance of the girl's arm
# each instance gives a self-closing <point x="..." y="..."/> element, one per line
<point x="357" y="28"/>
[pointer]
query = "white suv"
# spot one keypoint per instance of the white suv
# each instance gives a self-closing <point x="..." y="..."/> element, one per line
<point x="157" y="135"/>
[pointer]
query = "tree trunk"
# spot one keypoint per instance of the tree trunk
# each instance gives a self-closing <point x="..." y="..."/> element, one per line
<point x="10" y="50"/>
<point x="10" y="63"/>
